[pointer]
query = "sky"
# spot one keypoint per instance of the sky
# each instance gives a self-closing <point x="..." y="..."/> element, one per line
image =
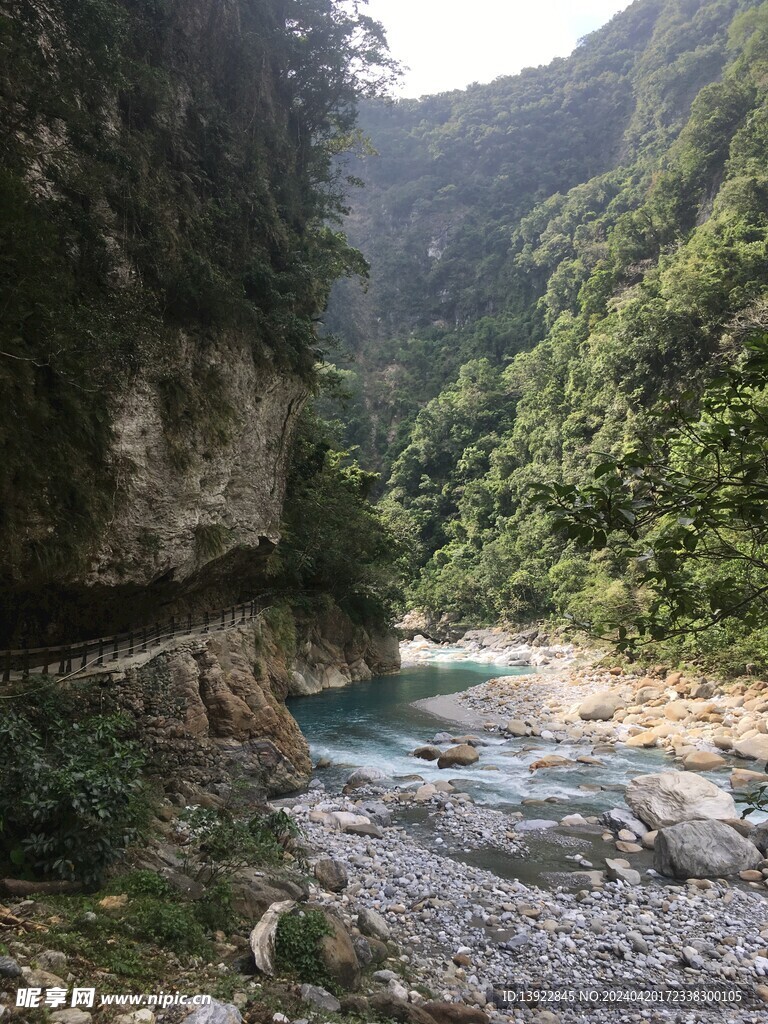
<point x="448" y="44"/>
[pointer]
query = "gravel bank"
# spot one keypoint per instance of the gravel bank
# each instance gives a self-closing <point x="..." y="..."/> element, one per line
<point x="466" y="934"/>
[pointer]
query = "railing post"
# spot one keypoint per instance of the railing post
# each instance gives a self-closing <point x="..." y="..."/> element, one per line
<point x="25" y="665"/>
<point x="233" y="615"/>
<point x="189" y="622"/>
<point x="173" y="627"/>
<point x="46" y="660"/>
<point x="7" y="668"/>
<point x="242" y="615"/>
<point x="222" y="619"/>
<point x="84" y="658"/>
<point x="157" y="632"/>
<point x="253" y="609"/>
<point x="69" y="658"/>
<point x="62" y="663"/>
<point x="100" y="659"/>
<point x="130" y="645"/>
<point x="144" y="639"/>
<point x="206" y="622"/>
<point x="115" y="649"/>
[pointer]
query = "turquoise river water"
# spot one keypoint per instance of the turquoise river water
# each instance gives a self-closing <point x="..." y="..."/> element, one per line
<point x="375" y="723"/>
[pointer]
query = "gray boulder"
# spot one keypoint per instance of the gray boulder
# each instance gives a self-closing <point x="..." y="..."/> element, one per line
<point x="320" y="998"/>
<point x="365" y="776"/>
<point x="618" y="871"/>
<point x="668" y="798"/>
<point x="703" y="849"/>
<point x="619" y="817"/>
<point x="371" y="923"/>
<point x="377" y="811"/>
<point x="9" y="968"/>
<point x="215" y="1013"/>
<point x="759" y="837"/>
<point x="535" y="824"/>
<point x="331" y="874"/>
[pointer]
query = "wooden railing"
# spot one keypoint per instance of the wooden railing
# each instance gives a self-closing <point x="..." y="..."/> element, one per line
<point x="72" y="659"/>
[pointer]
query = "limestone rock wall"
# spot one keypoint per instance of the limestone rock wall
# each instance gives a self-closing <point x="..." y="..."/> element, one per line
<point x="333" y="651"/>
<point x="212" y="710"/>
<point x="233" y="484"/>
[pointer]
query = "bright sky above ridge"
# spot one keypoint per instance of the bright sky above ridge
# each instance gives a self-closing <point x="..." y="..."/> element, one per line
<point x="450" y="43"/>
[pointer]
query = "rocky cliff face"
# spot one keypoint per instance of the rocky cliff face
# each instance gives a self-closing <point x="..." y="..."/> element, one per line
<point x="224" y="495"/>
<point x="334" y="652"/>
<point x="212" y="710"/>
<point x="161" y="201"/>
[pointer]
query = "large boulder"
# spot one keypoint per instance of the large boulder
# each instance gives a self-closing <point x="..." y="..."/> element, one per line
<point x="703" y="849"/>
<point x="601" y="707"/>
<point x="365" y="777"/>
<point x="338" y="955"/>
<point x="759" y="837"/>
<point x="671" y="797"/>
<point x="331" y="874"/>
<point x="372" y="924"/>
<point x="461" y="755"/>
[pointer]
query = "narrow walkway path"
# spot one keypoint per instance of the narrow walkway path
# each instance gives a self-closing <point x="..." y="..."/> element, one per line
<point x="104" y="654"/>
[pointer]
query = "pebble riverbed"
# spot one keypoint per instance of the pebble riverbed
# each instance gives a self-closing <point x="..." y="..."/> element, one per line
<point x="698" y="950"/>
<point x="505" y="934"/>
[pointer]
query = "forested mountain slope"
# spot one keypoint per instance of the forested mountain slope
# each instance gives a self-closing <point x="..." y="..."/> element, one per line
<point x="550" y="255"/>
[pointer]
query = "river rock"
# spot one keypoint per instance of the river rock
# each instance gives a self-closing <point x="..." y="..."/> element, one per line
<point x="516" y="727"/>
<point x="703" y="761"/>
<point x="601" y="707"/>
<point x="389" y="1006"/>
<point x="365" y="776"/>
<point x="74" y="1015"/>
<point x="41" y="979"/>
<point x="618" y="871"/>
<point x="759" y="836"/>
<point x="9" y="968"/>
<point x="338" y="954"/>
<point x="454" y="1013"/>
<point x="550" y="761"/>
<point x="331" y="874"/>
<point x="754" y="749"/>
<point x="461" y="755"/>
<point x="668" y="798"/>
<point x="647" y="693"/>
<point x="741" y="778"/>
<point x="619" y="818"/>
<point x="320" y="997"/>
<point x="215" y="1013"/>
<point x="371" y="923"/>
<point x="364" y="828"/>
<point x="703" y="849"/>
<point x="535" y="825"/>
<point x="428" y="753"/>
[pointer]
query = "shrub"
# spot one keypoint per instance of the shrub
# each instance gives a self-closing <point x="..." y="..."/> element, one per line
<point x="297" y="947"/>
<point x="226" y="842"/>
<point x="71" y="797"/>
